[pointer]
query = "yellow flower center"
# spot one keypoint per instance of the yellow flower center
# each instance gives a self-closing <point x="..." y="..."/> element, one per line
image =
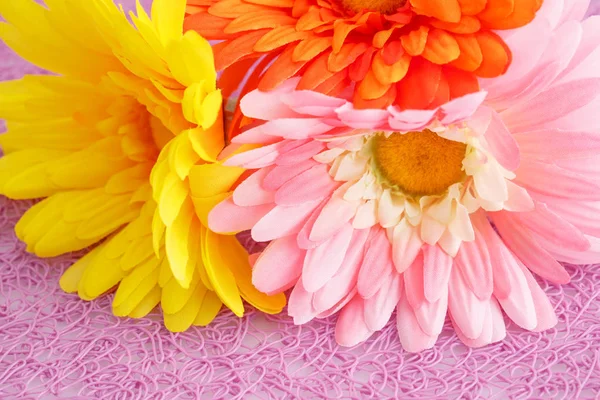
<point x="383" y="6"/>
<point x="418" y="163"/>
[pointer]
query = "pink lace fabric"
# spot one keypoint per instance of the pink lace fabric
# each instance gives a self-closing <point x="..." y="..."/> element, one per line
<point x="54" y="345"/>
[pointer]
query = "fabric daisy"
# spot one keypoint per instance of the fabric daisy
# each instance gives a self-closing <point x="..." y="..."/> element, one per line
<point x="411" y="53"/>
<point x="122" y="144"/>
<point x="374" y="210"/>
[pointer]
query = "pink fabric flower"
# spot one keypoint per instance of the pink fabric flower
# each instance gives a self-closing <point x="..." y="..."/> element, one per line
<point x="369" y="211"/>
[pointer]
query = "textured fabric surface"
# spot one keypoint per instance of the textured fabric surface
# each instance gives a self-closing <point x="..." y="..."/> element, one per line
<point x="54" y="345"/>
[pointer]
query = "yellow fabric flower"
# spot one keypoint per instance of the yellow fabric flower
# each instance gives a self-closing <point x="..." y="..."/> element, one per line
<point x="123" y="143"/>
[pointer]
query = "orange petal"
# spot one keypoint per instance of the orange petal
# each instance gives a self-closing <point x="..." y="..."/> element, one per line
<point x="310" y="20"/>
<point x="466" y="25"/>
<point x="346" y="56"/>
<point x="471" y="7"/>
<point x="441" y="47"/>
<point x="496" y="55"/>
<point x="341" y="30"/>
<point x="444" y="10"/>
<point x="279" y="37"/>
<point x="310" y="48"/>
<point x="523" y="13"/>
<point x="232" y="76"/>
<point x="299" y="8"/>
<point x="384" y="101"/>
<point x="442" y="94"/>
<point x="471" y="56"/>
<point x="258" y="20"/>
<point x="414" y="42"/>
<point x="496" y="10"/>
<point x="370" y="88"/>
<point x="315" y="74"/>
<point x="201" y="3"/>
<point x="392" y="52"/>
<point x="273" y="3"/>
<point x="283" y="68"/>
<point x="334" y="84"/>
<point x="387" y="74"/>
<point x="381" y="37"/>
<point x="359" y="68"/>
<point x="233" y="8"/>
<point x="420" y="85"/>
<point x="226" y="53"/>
<point x="460" y="82"/>
<point x="208" y="26"/>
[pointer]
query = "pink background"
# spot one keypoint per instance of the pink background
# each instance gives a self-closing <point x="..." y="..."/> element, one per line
<point x="55" y="345"/>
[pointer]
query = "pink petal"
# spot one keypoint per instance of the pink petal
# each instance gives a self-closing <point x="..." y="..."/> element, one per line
<point x="473" y="261"/>
<point x="338" y="306"/>
<point x="351" y="328"/>
<point x="282" y="221"/>
<point x="279" y="266"/>
<point x="546" y="317"/>
<point x="322" y="262"/>
<point x="551" y="180"/>
<point x="300" y="152"/>
<point x="362" y="119"/>
<point x="255" y="134"/>
<point x="251" y="191"/>
<point x="583" y="214"/>
<point x="312" y="103"/>
<point x="296" y="128"/>
<point x="554" y="103"/>
<point x="257" y="158"/>
<point x="493" y="330"/>
<point x="313" y="184"/>
<point x="336" y="213"/>
<point x="411" y="335"/>
<point x="413" y="283"/>
<point x="461" y="108"/>
<point x="300" y="305"/>
<point x="468" y="311"/>
<point x="379" y="308"/>
<point x="303" y="241"/>
<point x="345" y="279"/>
<point x="501" y="143"/>
<point x="585" y="60"/>
<point x="431" y="316"/>
<point x="528" y="250"/>
<point x="543" y="222"/>
<point x="227" y="217"/>
<point x="437" y="266"/>
<point x="406" y="245"/>
<point x="268" y="105"/>
<point x="551" y="144"/>
<point x="519" y="199"/>
<point x="376" y="265"/>
<point x="410" y="120"/>
<point x="281" y="174"/>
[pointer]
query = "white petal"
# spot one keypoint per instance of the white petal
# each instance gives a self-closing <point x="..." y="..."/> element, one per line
<point x="461" y="224"/>
<point x="366" y="215"/>
<point x="390" y="209"/>
<point x="431" y="230"/>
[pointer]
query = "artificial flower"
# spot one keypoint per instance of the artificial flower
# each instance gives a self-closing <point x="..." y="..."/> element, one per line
<point x="411" y="53"/>
<point x="436" y="212"/>
<point x="122" y="144"/>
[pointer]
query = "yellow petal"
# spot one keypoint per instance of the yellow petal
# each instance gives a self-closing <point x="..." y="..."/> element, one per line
<point x="175" y="297"/>
<point x="183" y="319"/>
<point x="211" y="304"/>
<point x="167" y="16"/>
<point x="129" y="291"/>
<point x="69" y="281"/>
<point x="207" y="180"/>
<point x="176" y="244"/>
<point x="236" y="259"/>
<point x="221" y="277"/>
<point x="147" y="304"/>
<point x="204" y="205"/>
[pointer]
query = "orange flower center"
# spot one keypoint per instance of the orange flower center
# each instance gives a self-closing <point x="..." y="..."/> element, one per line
<point x="382" y="6"/>
<point x="418" y="163"/>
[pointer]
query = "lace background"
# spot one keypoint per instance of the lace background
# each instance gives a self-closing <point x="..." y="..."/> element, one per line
<point x="53" y="345"/>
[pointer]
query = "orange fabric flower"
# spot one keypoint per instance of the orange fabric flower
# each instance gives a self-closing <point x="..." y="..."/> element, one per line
<point x="412" y="53"/>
